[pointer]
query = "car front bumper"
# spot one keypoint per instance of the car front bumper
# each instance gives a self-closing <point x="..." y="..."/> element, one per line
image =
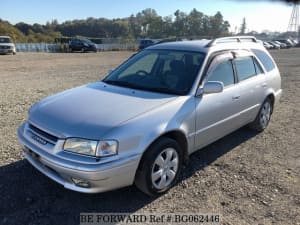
<point x="99" y="177"/>
<point x="7" y="51"/>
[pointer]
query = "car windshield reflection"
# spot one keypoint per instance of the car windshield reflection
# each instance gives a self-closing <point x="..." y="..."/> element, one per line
<point x="165" y="71"/>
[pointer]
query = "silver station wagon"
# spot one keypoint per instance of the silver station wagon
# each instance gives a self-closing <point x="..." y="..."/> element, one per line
<point x="140" y="124"/>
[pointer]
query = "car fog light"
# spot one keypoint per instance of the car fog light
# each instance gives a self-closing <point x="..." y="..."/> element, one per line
<point x="80" y="182"/>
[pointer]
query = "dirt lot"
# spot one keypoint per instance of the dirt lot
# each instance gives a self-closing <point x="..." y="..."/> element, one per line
<point x="247" y="178"/>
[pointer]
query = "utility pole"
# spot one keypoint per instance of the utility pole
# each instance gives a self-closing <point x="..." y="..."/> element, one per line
<point x="294" y="21"/>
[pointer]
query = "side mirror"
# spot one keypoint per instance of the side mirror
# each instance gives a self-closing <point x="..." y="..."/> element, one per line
<point x="210" y="87"/>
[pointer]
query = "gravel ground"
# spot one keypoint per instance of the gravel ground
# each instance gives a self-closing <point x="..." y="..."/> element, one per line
<point x="247" y="178"/>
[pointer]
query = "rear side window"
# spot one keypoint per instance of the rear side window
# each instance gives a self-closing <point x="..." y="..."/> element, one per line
<point x="245" y="68"/>
<point x="264" y="58"/>
<point x="223" y="72"/>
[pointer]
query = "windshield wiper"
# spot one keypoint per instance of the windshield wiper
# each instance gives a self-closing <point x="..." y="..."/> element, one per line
<point x="135" y="86"/>
<point x="163" y="90"/>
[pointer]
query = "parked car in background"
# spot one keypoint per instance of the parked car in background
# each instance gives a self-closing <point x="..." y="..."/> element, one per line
<point x="275" y="45"/>
<point x="267" y="45"/>
<point x="287" y="42"/>
<point x="292" y="42"/>
<point x="145" y="43"/>
<point x="7" y="46"/>
<point x="140" y="124"/>
<point x="295" y="42"/>
<point x="82" y="45"/>
<point x="282" y="45"/>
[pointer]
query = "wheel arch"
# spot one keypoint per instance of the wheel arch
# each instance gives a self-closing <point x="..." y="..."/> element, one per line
<point x="271" y="96"/>
<point x="177" y="136"/>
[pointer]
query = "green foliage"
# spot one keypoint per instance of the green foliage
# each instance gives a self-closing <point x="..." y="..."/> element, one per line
<point x="23" y="32"/>
<point x="7" y="29"/>
<point x="145" y="24"/>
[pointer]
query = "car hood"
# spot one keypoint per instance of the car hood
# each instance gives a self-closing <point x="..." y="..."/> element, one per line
<point x="92" y="110"/>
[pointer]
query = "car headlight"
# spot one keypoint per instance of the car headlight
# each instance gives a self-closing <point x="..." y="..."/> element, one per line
<point x="91" y="147"/>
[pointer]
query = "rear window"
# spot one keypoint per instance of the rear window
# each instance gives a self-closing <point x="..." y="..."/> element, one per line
<point x="264" y="58"/>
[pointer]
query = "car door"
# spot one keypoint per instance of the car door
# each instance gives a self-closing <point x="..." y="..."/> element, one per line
<point x="77" y="45"/>
<point x="217" y="114"/>
<point x="251" y="84"/>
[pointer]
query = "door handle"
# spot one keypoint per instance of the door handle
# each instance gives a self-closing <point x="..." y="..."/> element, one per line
<point x="264" y="85"/>
<point x="236" y="97"/>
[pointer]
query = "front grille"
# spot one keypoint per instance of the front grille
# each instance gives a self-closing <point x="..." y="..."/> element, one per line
<point x="48" y="137"/>
<point x="4" y="47"/>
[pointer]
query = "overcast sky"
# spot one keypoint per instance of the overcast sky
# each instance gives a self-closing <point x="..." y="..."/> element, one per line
<point x="260" y="15"/>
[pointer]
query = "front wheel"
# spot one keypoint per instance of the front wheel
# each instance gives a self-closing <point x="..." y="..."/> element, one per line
<point x="160" y="167"/>
<point x="263" y="117"/>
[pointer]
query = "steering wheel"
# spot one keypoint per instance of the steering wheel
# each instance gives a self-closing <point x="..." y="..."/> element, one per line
<point x="142" y="72"/>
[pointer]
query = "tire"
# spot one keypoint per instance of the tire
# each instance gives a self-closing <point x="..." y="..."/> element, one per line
<point x="160" y="167"/>
<point x="263" y="117"/>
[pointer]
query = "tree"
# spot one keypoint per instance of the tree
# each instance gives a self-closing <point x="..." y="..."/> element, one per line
<point x="134" y="26"/>
<point x="146" y="23"/>
<point x="180" y="24"/>
<point x="7" y="29"/>
<point x="167" y="27"/>
<point x="243" y="27"/>
<point x="195" y="23"/>
<point x="218" y="26"/>
<point x="151" y="23"/>
<point x="23" y="27"/>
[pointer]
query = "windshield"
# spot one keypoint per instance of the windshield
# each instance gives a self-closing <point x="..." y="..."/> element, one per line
<point x="5" y="40"/>
<point x="166" y="71"/>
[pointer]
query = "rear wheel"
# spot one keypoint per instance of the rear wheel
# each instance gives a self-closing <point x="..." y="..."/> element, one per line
<point x="160" y="167"/>
<point x="263" y="117"/>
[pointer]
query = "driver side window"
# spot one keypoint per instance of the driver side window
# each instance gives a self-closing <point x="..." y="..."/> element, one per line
<point x="223" y="72"/>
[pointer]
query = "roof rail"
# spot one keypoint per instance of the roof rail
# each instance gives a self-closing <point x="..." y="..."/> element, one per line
<point x="231" y="39"/>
